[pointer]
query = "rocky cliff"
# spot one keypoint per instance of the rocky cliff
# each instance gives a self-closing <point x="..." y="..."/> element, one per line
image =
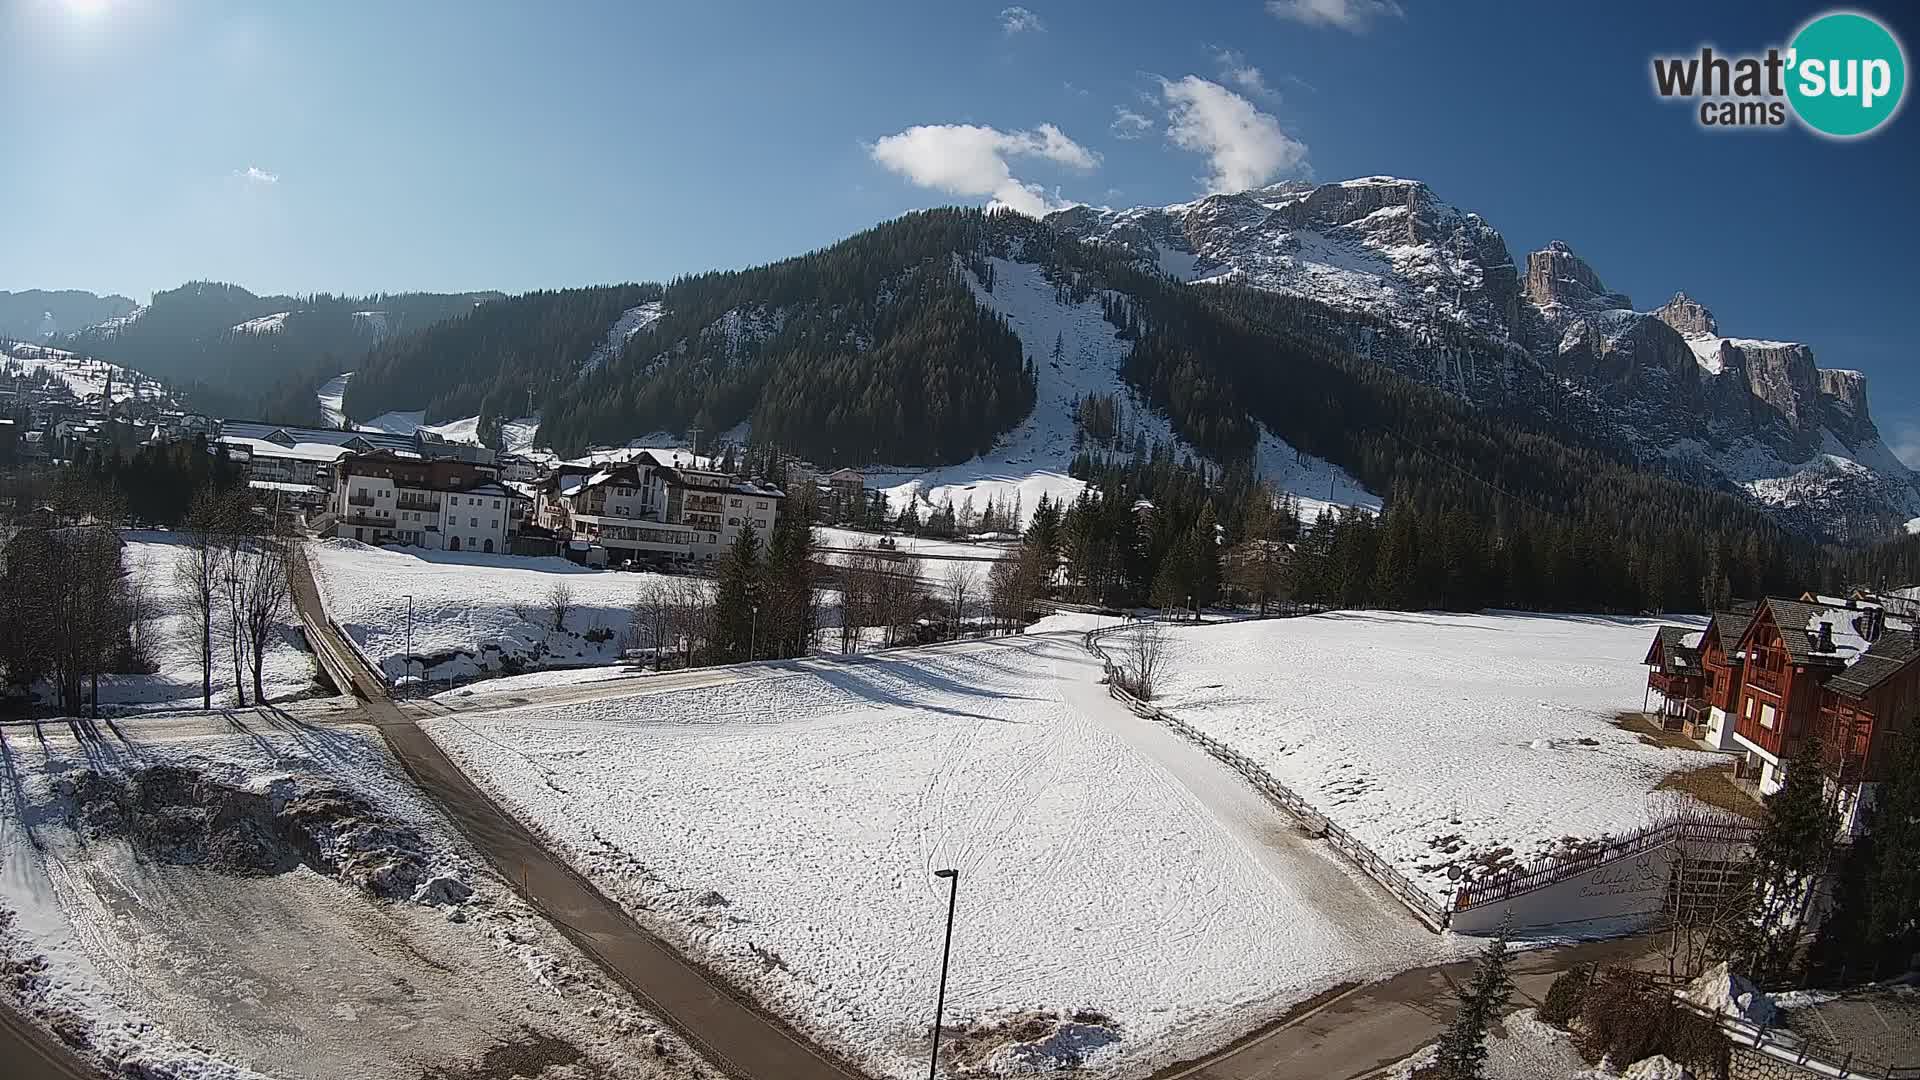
<point x="1757" y="416"/>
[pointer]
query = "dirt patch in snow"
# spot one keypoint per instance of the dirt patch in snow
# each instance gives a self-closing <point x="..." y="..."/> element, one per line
<point x="529" y="1054"/>
<point x="1032" y="1041"/>
<point x="181" y="816"/>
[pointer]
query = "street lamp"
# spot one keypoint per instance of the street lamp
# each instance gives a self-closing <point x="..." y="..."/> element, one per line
<point x="946" y="953"/>
<point x="753" y="633"/>
<point x="423" y="673"/>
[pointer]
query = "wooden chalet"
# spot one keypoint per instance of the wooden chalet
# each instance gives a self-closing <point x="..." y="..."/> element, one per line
<point x="1674" y="672"/>
<point x="1762" y="678"/>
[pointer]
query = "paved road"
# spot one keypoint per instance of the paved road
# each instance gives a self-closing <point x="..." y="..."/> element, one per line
<point x="1364" y="1030"/>
<point x="724" y="1026"/>
<point x="29" y="1052"/>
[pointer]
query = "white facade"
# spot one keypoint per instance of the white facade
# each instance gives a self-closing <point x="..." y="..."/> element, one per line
<point x="645" y="511"/>
<point x="376" y="509"/>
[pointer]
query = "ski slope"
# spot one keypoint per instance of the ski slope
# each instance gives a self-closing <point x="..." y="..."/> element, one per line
<point x="1032" y="459"/>
<point x="1439" y="740"/>
<point x="784" y="825"/>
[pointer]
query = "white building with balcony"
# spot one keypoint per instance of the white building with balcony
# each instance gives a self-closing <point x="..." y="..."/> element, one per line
<point x="643" y="511"/>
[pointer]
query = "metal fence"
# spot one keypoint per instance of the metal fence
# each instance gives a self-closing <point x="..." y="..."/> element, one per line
<point x="1540" y="874"/>
<point x="1424" y="908"/>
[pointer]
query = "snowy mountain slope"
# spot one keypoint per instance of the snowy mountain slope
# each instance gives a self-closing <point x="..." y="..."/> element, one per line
<point x="1748" y="415"/>
<point x="1032" y="459"/>
<point x="84" y="375"/>
<point x="631" y="321"/>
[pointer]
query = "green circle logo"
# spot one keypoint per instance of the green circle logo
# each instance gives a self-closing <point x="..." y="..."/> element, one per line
<point x="1846" y="74"/>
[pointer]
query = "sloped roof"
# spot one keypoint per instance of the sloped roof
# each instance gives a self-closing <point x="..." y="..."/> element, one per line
<point x="1731" y="626"/>
<point x="1677" y="658"/>
<point x="1791" y="617"/>
<point x="1884" y="659"/>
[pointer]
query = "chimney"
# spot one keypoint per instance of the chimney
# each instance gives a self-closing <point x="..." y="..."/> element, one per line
<point x="1825" y="641"/>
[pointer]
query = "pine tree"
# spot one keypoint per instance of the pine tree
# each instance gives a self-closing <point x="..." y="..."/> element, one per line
<point x="1874" y="927"/>
<point x="1463" y="1049"/>
<point x="736" y="597"/>
<point x="1792" y="850"/>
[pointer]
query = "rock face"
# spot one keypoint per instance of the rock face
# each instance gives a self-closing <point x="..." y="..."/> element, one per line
<point x="1558" y="280"/>
<point x="1757" y="417"/>
<point x="1688" y="316"/>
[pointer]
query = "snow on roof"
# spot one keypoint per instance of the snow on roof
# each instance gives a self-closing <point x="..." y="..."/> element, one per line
<point x="1692" y="641"/>
<point x="276" y="485"/>
<point x="1848" y="642"/>
<point x="302" y="451"/>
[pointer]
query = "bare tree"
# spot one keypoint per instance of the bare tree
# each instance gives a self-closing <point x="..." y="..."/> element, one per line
<point x="691" y="624"/>
<point x="859" y="586"/>
<point x="1012" y="585"/>
<point x="899" y="599"/>
<point x="267" y="601"/>
<point x="1710" y="885"/>
<point x="559" y="603"/>
<point x="1147" y="655"/>
<point x="652" y="615"/>
<point x="196" y="574"/>
<point x="963" y="582"/>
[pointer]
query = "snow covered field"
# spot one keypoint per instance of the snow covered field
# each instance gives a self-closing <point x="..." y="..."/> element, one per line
<point x="84" y="376"/>
<point x="472" y="612"/>
<point x="1435" y="739"/>
<point x="170" y="638"/>
<point x="1134" y="900"/>
<point x="239" y="897"/>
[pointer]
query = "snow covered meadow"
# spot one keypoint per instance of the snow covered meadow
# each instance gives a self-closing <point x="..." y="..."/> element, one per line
<point x="1123" y="901"/>
<point x="1438" y="740"/>
<point x="245" y="896"/>
<point x="472" y="612"/>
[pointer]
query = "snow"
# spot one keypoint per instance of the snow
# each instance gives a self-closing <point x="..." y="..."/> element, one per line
<point x="84" y="376"/>
<point x="1720" y="991"/>
<point x="924" y="547"/>
<point x="265" y="324"/>
<point x="1434" y="738"/>
<point x="332" y="396"/>
<point x="159" y="963"/>
<point x="1523" y="1047"/>
<point x="1706" y="350"/>
<point x="631" y="321"/>
<point x="395" y="423"/>
<point x="516" y="436"/>
<point x="784" y="829"/>
<point x="464" y="618"/>
<point x="1032" y="459"/>
<point x="170" y="638"/>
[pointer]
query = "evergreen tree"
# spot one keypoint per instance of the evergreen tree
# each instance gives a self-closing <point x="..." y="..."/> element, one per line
<point x="1792" y="850"/>
<point x="1463" y="1049"/>
<point x="736" y="596"/>
<point x="1873" y="929"/>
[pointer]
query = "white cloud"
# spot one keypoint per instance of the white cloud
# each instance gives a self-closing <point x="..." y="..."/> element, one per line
<point x="967" y="159"/>
<point x="1906" y="443"/>
<point x="1235" y="69"/>
<point x="1355" y="16"/>
<point x="254" y="174"/>
<point x="1245" y="146"/>
<point x="1128" y="124"/>
<point x="1018" y="20"/>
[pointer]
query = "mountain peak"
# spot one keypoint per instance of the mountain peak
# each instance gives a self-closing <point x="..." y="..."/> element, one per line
<point x="1560" y="281"/>
<point x="1688" y="316"/>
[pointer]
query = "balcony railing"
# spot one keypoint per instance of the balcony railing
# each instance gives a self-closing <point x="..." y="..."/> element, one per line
<point x="359" y="500"/>
<point x="1766" y="680"/>
<point x="405" y="503"/>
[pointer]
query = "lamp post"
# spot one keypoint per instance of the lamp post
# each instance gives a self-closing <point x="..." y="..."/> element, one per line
<point x="753" y="633"/>
<point x="410" y="637"/>
<point x="946" y="953"/>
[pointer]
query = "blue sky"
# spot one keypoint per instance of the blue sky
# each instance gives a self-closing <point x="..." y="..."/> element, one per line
<point x="371" y="146"/>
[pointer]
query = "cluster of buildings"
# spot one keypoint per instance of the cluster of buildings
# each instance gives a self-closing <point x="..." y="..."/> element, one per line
<point x="1764" y="677"/>
<point x="420" y="490"/>
<point x="43" y="417"/>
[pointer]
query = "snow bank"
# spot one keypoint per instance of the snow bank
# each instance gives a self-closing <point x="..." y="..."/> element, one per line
<point x="198" y="897"/>
<point x="1443" y="742"/>
<point x="784" y="830"/>
<point x="1720" y="991"/>
<point x="473" y="613"/>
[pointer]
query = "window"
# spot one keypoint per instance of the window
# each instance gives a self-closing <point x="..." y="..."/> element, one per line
<point x="1766" y="716"/>
<point x="760" y="504"/>
<point x="1748" y="707"/>
<point x="496" y="524"/>
<point x="473" y="523"/>
<point x="496" y="504"/>
<point x="734" y="502"/>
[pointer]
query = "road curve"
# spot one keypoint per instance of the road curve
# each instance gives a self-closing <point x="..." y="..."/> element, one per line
<point x="721" y="1024"/>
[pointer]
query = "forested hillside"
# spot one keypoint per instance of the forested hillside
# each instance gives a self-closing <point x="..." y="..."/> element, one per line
<point x="232" y="353"/>
<point x="491" y="362"/>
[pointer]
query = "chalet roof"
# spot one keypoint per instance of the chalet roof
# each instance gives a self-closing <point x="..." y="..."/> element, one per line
<point x="1677" y="657"/>
<point x="1791" y="617"/>
<point x="1886" y="658"/>
<point x="1731" y="626"/>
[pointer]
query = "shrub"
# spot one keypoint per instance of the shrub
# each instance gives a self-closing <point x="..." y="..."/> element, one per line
<point x="1626" y="1017"/>
<point x="1563" y="997"/>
